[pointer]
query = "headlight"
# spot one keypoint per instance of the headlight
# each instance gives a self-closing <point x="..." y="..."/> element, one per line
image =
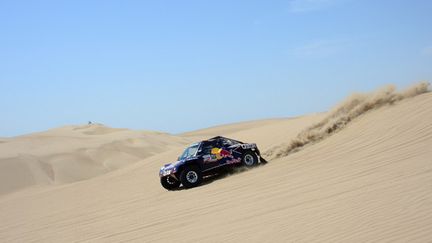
<point x="166" y="172"/>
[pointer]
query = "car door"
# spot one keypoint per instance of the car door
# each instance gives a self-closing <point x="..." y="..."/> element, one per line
<point x="210" y="159"/>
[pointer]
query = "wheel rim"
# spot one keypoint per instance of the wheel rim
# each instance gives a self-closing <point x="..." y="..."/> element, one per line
<point x="249" y="160"/>
<point x="170" y="180"/>
<point x="192" y="177"/>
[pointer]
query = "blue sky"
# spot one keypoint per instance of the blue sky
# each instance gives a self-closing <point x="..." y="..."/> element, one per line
<point x="176" y="66"/>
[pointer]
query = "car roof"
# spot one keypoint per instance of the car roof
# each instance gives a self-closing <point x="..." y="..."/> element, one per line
<point x="213" y="139"/>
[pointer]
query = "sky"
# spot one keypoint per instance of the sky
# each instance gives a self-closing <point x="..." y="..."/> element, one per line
<point x="177" y="66"/>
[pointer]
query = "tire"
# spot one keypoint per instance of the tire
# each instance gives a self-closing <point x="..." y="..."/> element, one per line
<point x="191" y="176"/>
<point x="169" y="183"/>
<point x="249" y="159"/>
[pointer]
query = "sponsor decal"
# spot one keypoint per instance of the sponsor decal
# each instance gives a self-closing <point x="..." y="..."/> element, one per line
<point x="221" y="153"/>
<point x="233" y="161"/>
<point x="225" y="153"/>
<point x="210" y="158"/>
<point x="248" y="146"/>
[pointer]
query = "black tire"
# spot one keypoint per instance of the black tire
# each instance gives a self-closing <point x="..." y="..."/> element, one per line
<point x="249" y="159"/>
<point x="169" y="183"/>
<point x="191" y="176"/>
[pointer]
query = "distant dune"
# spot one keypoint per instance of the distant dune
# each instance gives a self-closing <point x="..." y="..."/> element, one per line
<point x="74" y="153"/>
<point x="364" y="176"/>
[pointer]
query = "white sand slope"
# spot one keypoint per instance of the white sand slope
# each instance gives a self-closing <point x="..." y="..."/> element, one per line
<point x="370" y="181"/>
<point x="270" y="132"/>
<point x="73" y="153"/>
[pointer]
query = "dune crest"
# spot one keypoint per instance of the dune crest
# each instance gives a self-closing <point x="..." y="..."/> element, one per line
<point x="74" y="153"/>
<point x="349" y="109"/>
<point x="369" y="182"/>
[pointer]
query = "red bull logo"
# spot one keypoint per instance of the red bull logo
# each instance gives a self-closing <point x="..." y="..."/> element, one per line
<point x="221" y="153"/>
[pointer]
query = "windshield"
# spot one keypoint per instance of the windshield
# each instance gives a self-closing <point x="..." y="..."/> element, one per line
<point x="189" y="152"/>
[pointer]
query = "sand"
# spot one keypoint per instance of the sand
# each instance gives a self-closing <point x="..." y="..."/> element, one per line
<point x="73" y="153"/>
<point x="370" y="181"/>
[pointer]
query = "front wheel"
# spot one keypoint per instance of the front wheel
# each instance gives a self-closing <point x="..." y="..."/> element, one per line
<point x="191" y="177"/>
<point x="249" y="159"/>
<point x="169" y="183"/>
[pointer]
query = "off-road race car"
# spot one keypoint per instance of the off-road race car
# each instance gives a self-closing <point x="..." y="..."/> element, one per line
<point x="205" y="158"/>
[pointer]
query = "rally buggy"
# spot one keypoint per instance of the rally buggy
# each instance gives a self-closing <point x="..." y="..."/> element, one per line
<point x="204" y="158"/>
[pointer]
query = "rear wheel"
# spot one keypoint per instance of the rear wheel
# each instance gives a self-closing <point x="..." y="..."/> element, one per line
<point x="169" y="183"/>
<point x="191" y="177"/>
<point x="249" y="159"/>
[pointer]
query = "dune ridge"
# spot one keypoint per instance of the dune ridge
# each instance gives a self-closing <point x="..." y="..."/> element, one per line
<point x="369" y="182"/>
<point x="339" y="117"/>
<point x="73" y="153"/>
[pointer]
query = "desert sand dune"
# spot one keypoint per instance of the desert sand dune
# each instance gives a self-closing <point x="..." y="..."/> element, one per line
<point x="268" y="132"/>
<point x="371" y="181"/>
<point x="351" y="108"/>
<point x="74" y="153"/>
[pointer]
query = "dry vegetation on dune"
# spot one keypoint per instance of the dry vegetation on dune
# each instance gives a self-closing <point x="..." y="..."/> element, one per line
<point x="351" y="108"/>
